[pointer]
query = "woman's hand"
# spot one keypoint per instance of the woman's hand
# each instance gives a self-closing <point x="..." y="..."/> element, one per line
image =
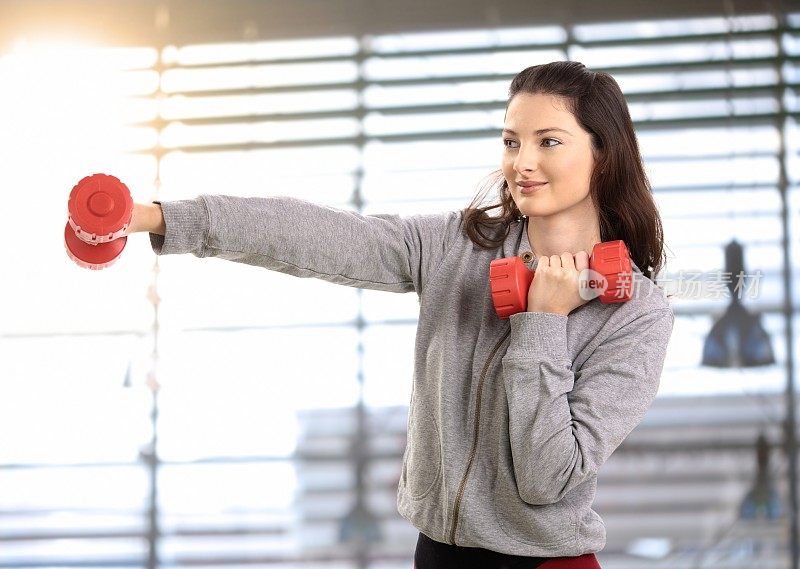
<point x="555" y="284"/>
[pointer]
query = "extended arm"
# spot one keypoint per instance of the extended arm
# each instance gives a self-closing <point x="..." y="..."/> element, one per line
<point x="382" y="251"/>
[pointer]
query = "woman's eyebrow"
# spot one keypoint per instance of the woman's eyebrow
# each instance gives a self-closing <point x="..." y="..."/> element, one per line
<point x="540" y="131"/>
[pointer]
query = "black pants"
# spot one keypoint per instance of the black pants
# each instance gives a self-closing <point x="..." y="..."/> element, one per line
<point x="432" y="554"/>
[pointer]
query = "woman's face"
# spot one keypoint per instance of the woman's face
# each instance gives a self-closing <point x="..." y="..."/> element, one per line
<point x="544" y="143"/>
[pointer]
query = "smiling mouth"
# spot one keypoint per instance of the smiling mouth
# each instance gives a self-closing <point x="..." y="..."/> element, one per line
<point x="531" y="188"/>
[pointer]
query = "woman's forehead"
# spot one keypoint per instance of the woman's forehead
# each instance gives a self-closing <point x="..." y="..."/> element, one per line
<point x="527" y="107"/>
<point x="539" y="118"/>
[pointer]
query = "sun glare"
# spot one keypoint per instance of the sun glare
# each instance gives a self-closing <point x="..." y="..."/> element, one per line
<point x="65" y="112"/>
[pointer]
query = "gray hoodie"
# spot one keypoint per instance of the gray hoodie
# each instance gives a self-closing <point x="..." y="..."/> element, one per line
<point x="510" y="419"/>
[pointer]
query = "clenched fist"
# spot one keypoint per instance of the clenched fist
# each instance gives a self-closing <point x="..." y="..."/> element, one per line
<point x="555" y="284"/>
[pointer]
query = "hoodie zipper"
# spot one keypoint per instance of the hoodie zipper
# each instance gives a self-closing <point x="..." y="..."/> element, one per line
<point x="463" y="485"/>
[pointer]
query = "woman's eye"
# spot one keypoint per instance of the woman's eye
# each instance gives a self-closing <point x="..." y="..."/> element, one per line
<point x="544" y="142"/>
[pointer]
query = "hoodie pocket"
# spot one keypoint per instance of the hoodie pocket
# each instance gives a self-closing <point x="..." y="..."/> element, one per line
<point x="422" y="459"/>
<point x="545" y="525"/>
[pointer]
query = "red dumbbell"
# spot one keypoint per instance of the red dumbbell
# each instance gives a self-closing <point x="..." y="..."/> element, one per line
<point x="100" y="210"/>
<point x="509" y="278"/>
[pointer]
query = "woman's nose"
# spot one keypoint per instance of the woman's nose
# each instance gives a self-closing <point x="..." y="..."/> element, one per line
<point x="526" y="160"/>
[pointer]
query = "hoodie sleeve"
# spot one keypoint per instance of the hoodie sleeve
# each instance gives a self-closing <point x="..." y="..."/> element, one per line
<point x="300" y="238"/>
<point x="564" y="424"/>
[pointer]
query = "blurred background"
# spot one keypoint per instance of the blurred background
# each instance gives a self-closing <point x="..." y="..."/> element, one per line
<point x="179" y="411"/>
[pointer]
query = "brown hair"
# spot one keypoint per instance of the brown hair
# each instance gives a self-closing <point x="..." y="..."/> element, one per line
<point x="619" y="186"/>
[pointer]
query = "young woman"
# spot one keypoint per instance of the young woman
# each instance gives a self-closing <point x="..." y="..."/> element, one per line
<point x="510" y="419"/>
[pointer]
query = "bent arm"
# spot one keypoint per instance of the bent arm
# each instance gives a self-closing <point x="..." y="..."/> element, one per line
<point x="564" y="424"/>
<point x="385" y="252"/>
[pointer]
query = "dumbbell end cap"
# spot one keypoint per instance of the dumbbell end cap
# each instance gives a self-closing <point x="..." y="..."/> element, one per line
<point x="91" y="256"/>
<point x="100" y="208"/>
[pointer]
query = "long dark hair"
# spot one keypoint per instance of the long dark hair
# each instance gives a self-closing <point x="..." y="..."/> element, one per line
<point x="619" y="186"/>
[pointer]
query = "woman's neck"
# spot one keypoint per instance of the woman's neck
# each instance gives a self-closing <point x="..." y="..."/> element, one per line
<point x="564" y="231"/>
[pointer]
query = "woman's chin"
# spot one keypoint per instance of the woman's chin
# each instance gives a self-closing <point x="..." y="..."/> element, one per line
<point x="528" y="211"/>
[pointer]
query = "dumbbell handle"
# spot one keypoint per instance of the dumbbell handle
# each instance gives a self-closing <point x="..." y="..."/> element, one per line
<point x="510" y="278"/>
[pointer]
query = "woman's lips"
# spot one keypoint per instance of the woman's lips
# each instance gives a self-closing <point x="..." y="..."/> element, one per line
<point x="531" y="189"/>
